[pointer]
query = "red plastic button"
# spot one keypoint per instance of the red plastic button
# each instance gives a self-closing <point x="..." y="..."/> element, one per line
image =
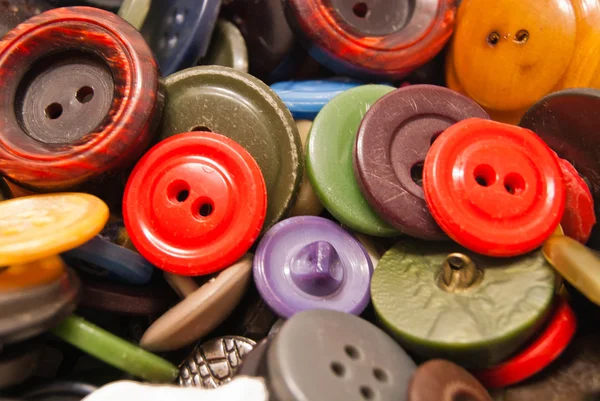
<point x="579" y="217"/>
<point x="195" y="203"/>
<point x="494" y="188"/>
<point x="549" y="345"/>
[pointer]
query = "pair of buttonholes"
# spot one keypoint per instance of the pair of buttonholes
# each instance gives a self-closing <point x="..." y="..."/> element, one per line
<point x="55" y="110"/>
<point x="521" y="37"/>
<point x="179" y="192"/>
<point x="174" y="23"/>
<point x="485" y="176"/>
<point x="339" y="370"/>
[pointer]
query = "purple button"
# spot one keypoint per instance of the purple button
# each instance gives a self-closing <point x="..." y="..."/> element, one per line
<point x="309" y="262"/>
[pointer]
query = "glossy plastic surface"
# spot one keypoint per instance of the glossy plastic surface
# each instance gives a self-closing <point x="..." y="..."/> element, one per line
<point x="114" y="350"/>
<point x="28" y="275"/>
<point x="484" y="181"/>
<point x="29" y="225"/>
<point x="74" y="155"/>
<point x="579" y="217"/>
<point x="195" y="203"/>
<point x="310" y="262"/>
<point x="551" y="342"/>
<point x="366" y="39"/>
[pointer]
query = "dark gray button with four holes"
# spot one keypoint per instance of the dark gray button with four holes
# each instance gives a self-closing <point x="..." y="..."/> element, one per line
<point x="333" y="356"/>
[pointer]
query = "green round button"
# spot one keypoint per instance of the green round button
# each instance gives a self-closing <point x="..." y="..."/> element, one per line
<point x="227" y="47"/>
<point x="442" y="301"/>
<point x="135" y="12"/>
<point x="329" y="160"/>
<point x="243" y="108"/>
<point x="115" y="351"/>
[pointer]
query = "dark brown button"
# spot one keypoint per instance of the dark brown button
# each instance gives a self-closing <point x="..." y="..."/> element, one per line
<point x="440" y="380"/>
<point x="568" y="122"/>
<point x="87" y="105"/>
<point x="391" y="145"/>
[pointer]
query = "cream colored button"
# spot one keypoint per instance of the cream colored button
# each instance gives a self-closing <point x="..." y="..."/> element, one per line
<point x="307" y="203"/>
<point x="35" y="227"/>
<point x="201" y="311"/>
<point x="184" y="286"/>
<point x="366" y="242"/>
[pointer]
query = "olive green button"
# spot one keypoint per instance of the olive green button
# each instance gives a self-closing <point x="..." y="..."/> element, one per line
<point x="241" y="107"/>
<point x="227" y="47"/>
<point x="442" y="301"/>
<point x="329" y="160"/>
<point x="115" y="351"/>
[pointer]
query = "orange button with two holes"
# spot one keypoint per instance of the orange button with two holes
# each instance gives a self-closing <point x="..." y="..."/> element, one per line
<point x="494" y="188"/>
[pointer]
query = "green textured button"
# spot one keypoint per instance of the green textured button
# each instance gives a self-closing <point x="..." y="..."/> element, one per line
<point x="227" y="47"/>
<point x="135" y="12"/>
<point x="115" y="351"/>
<point x="329" y="160"/>
<point x="243" y="108"/>
<point x="442" y="301"/>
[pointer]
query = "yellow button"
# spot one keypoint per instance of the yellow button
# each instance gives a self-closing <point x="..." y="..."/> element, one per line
<point x="32" y="274"/>
<point x="578" y="264"/>
<point x="507" y="54"/>
<point x="35" y="227"/>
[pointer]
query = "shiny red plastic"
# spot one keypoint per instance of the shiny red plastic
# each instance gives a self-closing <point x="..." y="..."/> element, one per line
<point x="579" y="217"/>
<point x="494" y="188"/>
<point x="195" y="203"/>
<point x="546" y="348"/>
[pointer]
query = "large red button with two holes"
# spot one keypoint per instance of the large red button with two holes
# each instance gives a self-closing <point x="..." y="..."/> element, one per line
<point x="195" y="203"/>
<point x="494" y="188"/>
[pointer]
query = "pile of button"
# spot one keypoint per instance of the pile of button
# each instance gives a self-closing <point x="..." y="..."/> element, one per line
<point x="299" y="199"/>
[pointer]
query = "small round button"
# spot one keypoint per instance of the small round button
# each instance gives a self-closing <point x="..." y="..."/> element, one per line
<point x="306" y="98"/>
<point x="579" y="217"/>
<point x="27" y="275"/>
<point x="324" y="355"/>
<point x="227" y="47"/>
<point x="445" y="302"/>
<point x="484" y="181"/>
<point x="114" y="350"/>
<point x="26" y="313"/>
<point x="111" y="254"/>
<point x="445" y="381"/>
<point x="179" y="31"/>
<point x="364" y="39"/>
<point x="310" y="262"/>
<point x="552" y="341"/>
<point x="567" y="121"/>
<point x="201" y="311"/>
<point x="246" y="110"/>
<point x="195" y="203"/>
<point x="29" y="225"/>
<point x="579" y="265"/>
<point x="88" y="104"/>
<point x="329" y="160"/>
<point x="213" y="363"/>
<point x="405" y="122"/>
<point x="307" y="202"/>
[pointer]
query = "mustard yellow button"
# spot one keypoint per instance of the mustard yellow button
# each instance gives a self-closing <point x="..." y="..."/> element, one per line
<point x="576" y="263"/>
<point x="26" y="275"/>
<point x="35" y="227"/>
<point x="508" y="54"/>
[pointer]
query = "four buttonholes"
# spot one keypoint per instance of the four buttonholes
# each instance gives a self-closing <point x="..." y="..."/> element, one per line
<point x="339" y="370"/>
<point x="55" y="110"/>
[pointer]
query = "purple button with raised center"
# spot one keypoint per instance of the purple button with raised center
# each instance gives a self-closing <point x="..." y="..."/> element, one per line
<point x="309" y="262"/>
